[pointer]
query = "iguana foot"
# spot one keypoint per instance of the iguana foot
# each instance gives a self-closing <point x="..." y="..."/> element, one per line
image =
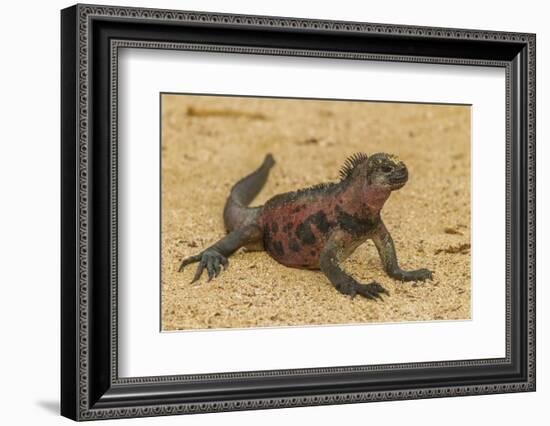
<point x="372" y="290"/>
<point x="209" y="259"/>
<point x="417" y="275"/>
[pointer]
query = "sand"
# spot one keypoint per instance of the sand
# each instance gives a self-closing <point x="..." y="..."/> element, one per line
<point x="208" y="143"/>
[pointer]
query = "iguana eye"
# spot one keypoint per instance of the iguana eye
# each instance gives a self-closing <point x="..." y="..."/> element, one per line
<point x="386" y="169"/>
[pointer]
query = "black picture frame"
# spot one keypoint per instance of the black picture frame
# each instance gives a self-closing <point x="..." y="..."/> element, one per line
<point x="90" y="386"/>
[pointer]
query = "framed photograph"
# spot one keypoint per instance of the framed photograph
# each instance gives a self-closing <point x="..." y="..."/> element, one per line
<point x="263" y="212"/>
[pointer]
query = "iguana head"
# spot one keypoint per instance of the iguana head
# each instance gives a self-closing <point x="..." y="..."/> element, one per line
<point x="382" y="170"/>
<point x="369" y="180"/>
<point x="386" y="170"/>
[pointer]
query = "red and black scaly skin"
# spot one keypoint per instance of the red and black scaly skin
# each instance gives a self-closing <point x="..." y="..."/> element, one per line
<point x="317" y="227"/>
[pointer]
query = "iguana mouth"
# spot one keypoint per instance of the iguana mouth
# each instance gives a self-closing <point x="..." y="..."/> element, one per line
<point x="399" y="178"/>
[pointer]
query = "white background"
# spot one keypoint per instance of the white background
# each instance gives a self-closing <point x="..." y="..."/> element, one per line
<point x="143" y="351"/>
<point x="29" y="225"/>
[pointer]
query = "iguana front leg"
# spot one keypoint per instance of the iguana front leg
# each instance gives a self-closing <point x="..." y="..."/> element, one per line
<point x="329" y="263"/>
<point x="216" y="255"/>
<point x="386" y="249"/>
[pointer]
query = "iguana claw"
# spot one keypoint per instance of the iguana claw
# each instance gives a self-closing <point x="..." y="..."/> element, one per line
<point x="189" y="260"/>
<point x="371" y="291"/>
<point x="209" y="259"/>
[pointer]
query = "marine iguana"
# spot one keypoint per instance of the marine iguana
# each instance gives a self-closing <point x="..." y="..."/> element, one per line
<point x="316" y="227"/>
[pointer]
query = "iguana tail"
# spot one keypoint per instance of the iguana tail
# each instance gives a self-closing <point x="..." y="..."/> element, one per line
<point x="236" y="213"/>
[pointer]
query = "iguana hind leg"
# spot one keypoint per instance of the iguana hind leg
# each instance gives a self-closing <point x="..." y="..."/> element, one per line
<point x="216" y="255"/>
<point x="344" y="283"/>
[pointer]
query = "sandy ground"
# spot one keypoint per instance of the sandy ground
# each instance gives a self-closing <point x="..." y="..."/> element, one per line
<point x="208" y="143"/>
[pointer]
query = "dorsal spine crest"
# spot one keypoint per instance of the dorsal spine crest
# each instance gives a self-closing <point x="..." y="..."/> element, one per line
<point x="351" y="163"/>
